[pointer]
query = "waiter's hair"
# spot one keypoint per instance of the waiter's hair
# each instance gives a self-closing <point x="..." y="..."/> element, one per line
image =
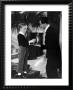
<point x="44" y="20"/>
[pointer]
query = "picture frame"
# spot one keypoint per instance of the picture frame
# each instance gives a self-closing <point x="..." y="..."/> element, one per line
<point x="3" y="43"/>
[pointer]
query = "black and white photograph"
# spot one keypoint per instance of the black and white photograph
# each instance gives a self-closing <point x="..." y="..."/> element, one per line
<point x="36" y="45"/>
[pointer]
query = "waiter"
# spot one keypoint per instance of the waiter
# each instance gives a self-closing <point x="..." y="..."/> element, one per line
<point x="53" y="53"/>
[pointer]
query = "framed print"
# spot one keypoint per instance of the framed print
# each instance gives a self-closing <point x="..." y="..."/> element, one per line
<point x="37" y="44"/>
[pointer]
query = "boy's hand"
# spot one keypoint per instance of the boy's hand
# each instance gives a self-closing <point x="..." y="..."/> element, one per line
<point x="32" y="41"/>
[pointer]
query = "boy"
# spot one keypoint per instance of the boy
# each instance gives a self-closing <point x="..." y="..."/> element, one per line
<point x="23" y="49"/>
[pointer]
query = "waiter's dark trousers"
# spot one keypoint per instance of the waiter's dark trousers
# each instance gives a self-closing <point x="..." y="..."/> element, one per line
<point x="53" y="63"/>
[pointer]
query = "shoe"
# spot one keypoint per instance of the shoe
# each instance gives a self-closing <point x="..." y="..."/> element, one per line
<point x="18" y="76"/>
<point x="28" y="69"/>
<point x="25" y="72"/>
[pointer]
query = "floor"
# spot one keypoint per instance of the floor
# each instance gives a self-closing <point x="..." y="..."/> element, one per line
<point x="38" y="64"/>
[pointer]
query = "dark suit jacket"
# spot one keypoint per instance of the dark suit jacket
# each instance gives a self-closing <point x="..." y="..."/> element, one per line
<point x="52" y="47"/>
<point x="22" y="40"/>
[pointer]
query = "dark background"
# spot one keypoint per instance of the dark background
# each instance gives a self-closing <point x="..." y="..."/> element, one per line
<point x="52" y="17"/>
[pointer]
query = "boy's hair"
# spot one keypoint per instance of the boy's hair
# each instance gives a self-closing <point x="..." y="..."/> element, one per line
<point x="20" y="25"/>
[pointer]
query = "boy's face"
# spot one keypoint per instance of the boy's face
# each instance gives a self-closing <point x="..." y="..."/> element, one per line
<point x="23" y="28"/>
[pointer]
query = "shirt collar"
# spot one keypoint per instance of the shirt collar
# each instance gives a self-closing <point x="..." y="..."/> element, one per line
<point x="47" y="27"/>
<point x="21" y="33"/>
